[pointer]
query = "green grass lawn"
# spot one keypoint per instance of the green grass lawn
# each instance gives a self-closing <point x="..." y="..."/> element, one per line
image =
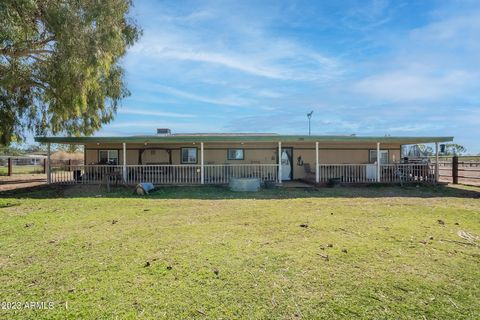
<point x="207" y="253"/>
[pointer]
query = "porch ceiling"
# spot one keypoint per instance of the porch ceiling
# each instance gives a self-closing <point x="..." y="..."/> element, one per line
<point x="242" y="138"/>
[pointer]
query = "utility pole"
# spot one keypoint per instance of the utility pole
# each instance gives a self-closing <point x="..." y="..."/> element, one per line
<point x="309" y="115"/>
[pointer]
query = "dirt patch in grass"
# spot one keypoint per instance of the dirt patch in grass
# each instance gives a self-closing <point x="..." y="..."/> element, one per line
<point x="22" y="181"/>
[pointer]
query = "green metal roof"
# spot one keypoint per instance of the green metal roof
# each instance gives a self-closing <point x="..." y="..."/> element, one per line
<point x="241" y="138"/>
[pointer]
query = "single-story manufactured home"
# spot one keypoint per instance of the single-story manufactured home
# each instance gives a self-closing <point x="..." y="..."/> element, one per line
<point x="214" y="158"/>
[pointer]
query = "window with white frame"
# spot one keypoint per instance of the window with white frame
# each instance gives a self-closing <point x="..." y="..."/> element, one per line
<point x="189" y="155"/>
<point x="383" y="156"/>
<point x="108" y="156"/>
<point x="235" y="154"/>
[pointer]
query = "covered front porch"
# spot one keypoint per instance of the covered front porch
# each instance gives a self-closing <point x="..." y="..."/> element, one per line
<point x="221" y="174"/>
<point x="191" y="161"/>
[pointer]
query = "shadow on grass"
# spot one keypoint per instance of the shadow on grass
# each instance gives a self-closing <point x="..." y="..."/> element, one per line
<point x="219" y="192"/>
<point x="22" y="181"/>
<point x="8" y="205"/>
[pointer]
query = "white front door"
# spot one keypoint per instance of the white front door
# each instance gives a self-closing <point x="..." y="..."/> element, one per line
<point x="286" y="164"/>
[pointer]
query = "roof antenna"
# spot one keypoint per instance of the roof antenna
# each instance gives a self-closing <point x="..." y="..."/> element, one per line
<point x="309" y="115"/>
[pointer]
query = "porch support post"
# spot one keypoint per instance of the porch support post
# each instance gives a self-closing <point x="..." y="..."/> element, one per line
<point x="317" y="164"/>
<point x="49" y="178"/>
<point x="202" y="168"/>
<point x="378" y="161"/>
<point x="436" y="163"/>
<point x="124" y="162"/>
<point x="279" y="162"/>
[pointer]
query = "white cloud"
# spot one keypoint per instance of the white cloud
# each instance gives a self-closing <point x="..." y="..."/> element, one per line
<point x="411" y="128"/>
<point x="411" y="85"/>
<point x="224" y="101"/>
<point x="268" y="93"/>
<point x="368" y="14"/>
<point x="285" y="62"/>
<point x="237" y="43"/>
<point x="459" y="28"/>
<point x="149" y="127"/>
<point x="434" y="62"/>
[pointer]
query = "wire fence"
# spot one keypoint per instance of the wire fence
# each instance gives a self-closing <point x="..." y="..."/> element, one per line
<point x="22" y="165"/>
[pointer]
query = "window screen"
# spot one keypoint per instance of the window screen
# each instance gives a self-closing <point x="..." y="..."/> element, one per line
<point x="383" y="156"/>
<point x="235" y="154"/>
<point x="108" y="156"/>
<point x="189" y="155"/>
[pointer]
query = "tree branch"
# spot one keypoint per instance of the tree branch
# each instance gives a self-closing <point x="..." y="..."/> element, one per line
<point x="39" y="84"/>
<point x="37" y="58"/>
<point x="16" y="53"/>
<point x="31" y="48"/>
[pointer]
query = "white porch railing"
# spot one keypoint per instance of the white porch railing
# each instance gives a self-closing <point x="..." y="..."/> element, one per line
<point x="348" y="173"/>
<point x="221" y="173"/>
<point x="85" y="174"/>
<point x="161" y="174"/>
<point x="367" y="173"/>
<point x="396" y="173"/>
<point x="164" y="174"/>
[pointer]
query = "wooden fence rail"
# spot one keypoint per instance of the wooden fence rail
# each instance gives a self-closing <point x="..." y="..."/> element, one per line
<point x="456" y="171"/>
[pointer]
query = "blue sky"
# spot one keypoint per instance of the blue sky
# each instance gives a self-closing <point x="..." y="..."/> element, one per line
<point x="365" y="67"/>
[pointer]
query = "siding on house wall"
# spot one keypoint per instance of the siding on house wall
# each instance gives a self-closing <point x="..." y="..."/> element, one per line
<point x="254" y="153"/>
<point x="132" y="156"/>
<point x="91" y="156"/>
<point x="154" y="156"/>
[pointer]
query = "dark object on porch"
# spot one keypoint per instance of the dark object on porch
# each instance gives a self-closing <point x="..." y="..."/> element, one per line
<point x="77" y="175"/>
<point x="309" y="174"/>
<point x="270" y="184"/>
<point x="332" y="182"/>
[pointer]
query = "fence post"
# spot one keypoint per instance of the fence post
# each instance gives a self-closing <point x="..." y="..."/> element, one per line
<point x="124" y="163"/>
<point x="49" y="176"/>
<point x="455" y="169"/>
<point x="378" y="161"/>
<point x="280" y="162"/>
<point x="437" y="169"/>
<point x="202" y="167"/>
<point x="10" y="166"/>
<point x="317" y="166"/>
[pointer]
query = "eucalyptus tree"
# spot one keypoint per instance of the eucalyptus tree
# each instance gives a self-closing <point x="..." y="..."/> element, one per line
<point x="60" y="66"/>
